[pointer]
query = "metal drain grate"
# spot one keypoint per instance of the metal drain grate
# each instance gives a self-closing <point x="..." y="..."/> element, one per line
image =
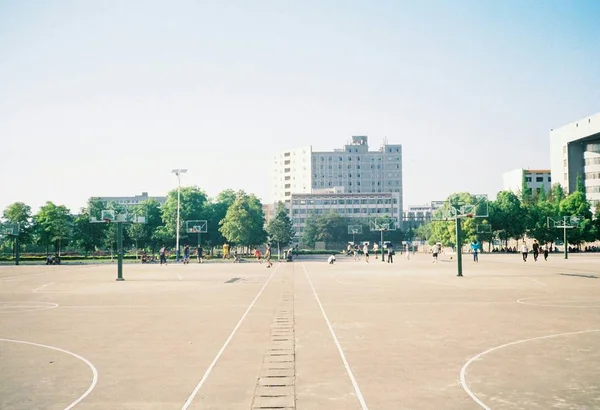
<point x="275" y="388"/>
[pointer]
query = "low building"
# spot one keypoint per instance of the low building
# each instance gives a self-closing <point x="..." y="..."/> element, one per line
<point x="417" y="215"/>
<point x="535" y="179"/>
<point x="132" y="200"/>
<point x="359" y="206"/>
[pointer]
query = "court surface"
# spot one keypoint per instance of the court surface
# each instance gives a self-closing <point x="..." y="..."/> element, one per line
<point x="303" y="335"/>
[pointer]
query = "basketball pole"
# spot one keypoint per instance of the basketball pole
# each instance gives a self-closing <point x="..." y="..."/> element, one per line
<point x="458" y="245"/>
<point x="120" y="251"/>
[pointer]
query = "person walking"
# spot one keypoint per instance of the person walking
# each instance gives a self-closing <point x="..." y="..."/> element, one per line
<point x="524" y="251"/>
<point x="375" y="249"/>
<point x="434" y="253"/>
<point x="407" y="249"/>
<point x="268" y="256"/>
<point x="390" y="253"/>
<point x="545" y="250"/>
<point x="536" y="250"/>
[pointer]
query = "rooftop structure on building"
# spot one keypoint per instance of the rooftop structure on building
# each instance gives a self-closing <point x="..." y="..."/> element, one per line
<point x="575" y="150"/>
<point x="132" y="200"/>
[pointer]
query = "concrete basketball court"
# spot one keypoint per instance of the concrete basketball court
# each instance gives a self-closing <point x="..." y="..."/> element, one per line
<point x="303" y="335"/>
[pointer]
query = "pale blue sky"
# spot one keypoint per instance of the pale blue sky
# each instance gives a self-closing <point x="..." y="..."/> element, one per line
<point x="103" y="98"/>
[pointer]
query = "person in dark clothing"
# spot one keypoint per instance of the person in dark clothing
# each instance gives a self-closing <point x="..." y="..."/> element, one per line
<point x="536" y="250"/>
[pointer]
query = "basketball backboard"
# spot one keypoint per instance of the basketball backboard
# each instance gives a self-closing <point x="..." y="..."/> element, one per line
<point x="355" y="229"/>
<point x="197" y="226"/>
<point x="384" y="223"/>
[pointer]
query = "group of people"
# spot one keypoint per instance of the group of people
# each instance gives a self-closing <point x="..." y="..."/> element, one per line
<point x="535" y="247"/>
<point x="164" y="253"/>
<point x="355" y="250"/>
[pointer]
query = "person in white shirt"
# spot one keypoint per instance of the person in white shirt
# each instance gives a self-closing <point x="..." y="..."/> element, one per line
<point x="524" y="251"/>
<point x="375" y="249"/>
<point x="366" y="252"/>
<point x="331" y="259"/>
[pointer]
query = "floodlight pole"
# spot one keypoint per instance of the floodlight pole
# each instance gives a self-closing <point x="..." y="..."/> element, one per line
<point x="178" y="172"/>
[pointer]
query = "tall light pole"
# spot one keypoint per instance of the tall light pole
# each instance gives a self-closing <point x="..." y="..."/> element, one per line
<point x="178" y="172"/>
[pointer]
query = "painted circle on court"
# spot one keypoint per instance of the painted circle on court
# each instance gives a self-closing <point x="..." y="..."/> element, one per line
<point x="562" y="301"/>
<point x="25" y="306"/>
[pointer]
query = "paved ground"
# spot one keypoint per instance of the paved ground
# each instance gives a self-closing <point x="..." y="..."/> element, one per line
<point x="303" y="335"/>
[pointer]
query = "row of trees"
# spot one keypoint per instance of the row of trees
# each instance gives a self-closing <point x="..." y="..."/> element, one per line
<point x="525" y="214"/>
<point x="232" y="217"/>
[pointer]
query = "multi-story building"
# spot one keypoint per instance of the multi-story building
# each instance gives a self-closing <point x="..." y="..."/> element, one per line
<point x="417" y="215"/>
<point x="351" y="172"/>
<point x="575" y="150"/>
<point x="536" y="180"/>
<point x="132" y="200"/>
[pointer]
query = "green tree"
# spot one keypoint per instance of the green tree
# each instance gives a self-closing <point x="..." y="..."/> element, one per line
<point x="576" y="204"/>
<point x="280" y="228"/>
<point x="193" y="206"/>
<point x="53" y="226"/>
<point x="87" y="235"/>
<point x="217" y="210"/>
<point x="507" y="216"/>
<point x="19" y="214"/>
<point x="244" y="221"/>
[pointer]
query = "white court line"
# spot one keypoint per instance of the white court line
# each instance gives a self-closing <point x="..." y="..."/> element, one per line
<point x="178" y="276"/>
<point x="361" y="399"/>
<point x="522" y="302"/>
<point x="42" y="287"/>
<point x="463" y="371"/>
<point x="83" y="359"/>
<point x="536" y="281"/>
<point x="188" y="402"/>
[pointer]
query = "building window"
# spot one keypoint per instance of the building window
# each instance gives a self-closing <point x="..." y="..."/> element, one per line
<point x="287" y="178"/>
<point x="287" y="162"/>
<point x="288" y="193"/>
<point x="549" y="179"/>
<point x="286" y="170"/>
<point x="287" y="154"/>
<point x="527" y="179"/>
<point x="539" y="179"/>
<point x="287" y="186"/>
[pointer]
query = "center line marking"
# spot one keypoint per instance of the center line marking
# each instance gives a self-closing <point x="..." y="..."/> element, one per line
<point x="216" y="359"/>
<point x="363" y="404"/>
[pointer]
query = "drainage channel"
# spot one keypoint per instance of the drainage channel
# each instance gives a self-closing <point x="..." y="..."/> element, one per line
<point x="275" y="388"/>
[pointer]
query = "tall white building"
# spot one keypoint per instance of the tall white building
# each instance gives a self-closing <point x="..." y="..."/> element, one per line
<point x="575" y="150"/>
<point x="350" y="170"/>
<point x="536" y="180"/>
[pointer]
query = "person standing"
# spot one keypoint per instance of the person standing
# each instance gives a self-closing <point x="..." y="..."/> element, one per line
<point x="475" y="249"/>
<point x="163" y="255"/>
<point x="199" y="251"/>
<point x="536" y="250"/>
<point x="407" y="249"/>
<point x="375" y="249"/>
<point x="390" y="253"/>
<point x="366" y="252"/>
<point x="186" y="254"/>
<point x="524" y="251"/>
<point x="545" y="250"/>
